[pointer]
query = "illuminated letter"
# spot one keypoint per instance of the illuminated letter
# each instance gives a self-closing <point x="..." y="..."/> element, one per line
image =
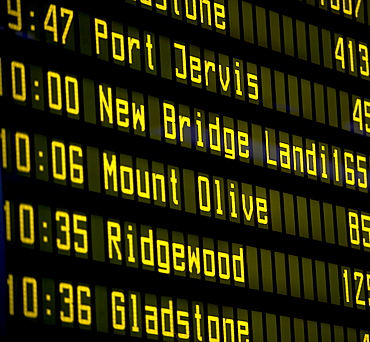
<point x="195" y="66"/>
<point x="194" y="259"/>
<point x="122" y="109"/>
<point x="311" y="155"/>
<point x="229" y="135"/>
<point x="233" y="213"/>
<point x="183" y="74"/>
<point x="149" y="45"/>
<point x="207" y="205"/>
<point x="184" y="323"/>
<point x="224" y="256"/>
<point x="169" y="313"/>
<point x="158" y="177"/>
<point x="110" y="171"/>
<point x="190" y="16"/>
<point x="131" y="42"/>
<point x="198" y="317"/>
<point x="238" y="266"/>
<point x="243" y="141"/>
<point x="146" y="192"/>
<point x="153" y="318"/>
<point x="254" y="85"/>
<point x="100" y="34"/>
<point x="215" y="320"/>
<point x="169" y="121"/>
<point x="199" y="130"/>
<point x="269" y="161"/>
<point x="118" y="37"/>
<point x="128" y="190"/>
<point x="284" y="155"/>
<point x="163" y="263"/>
<point x="114" y="239"/>
<point x="238" y="90"/>
<point x="261" y="208"/>
<point x="178" y="252"/>
<point x="147" y="241"/>
<point x="248" y="214"/>
<point x="214" y="135"/>
<point x="243" y="330"/>
<point x="324" y="173"/>
<point x="219" y="16"/>
<point x="209" y="269"/>
<point x="173" y="181"/>
<point x="224" y="85"/>
<point x="138" y="116"/>
<point x="105" y="105"/>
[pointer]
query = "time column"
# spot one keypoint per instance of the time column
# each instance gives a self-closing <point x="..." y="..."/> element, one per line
<point x="42" y="22"/>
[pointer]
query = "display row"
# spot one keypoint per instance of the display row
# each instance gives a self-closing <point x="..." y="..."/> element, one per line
<point x="173" y="252"/>
<point x="267" y="28"/>
<point x="78" y="97"/>
<point x="266" y="147"/>
<point x="191" y="191"/>
<point x="108" y="309"/>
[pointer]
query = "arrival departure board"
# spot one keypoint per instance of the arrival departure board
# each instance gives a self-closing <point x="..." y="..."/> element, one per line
<point x="185" y="170"/>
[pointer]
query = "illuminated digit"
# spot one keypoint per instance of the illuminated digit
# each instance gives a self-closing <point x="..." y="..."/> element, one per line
<point x="54" y="80"/>
<point x="84" y="310"/>
<point x="50" y="23"/>
<point x="59" y="155"/>
<point x="367" y="115"/>
<point x="351" y="63"/>
<point x="72" y="100"/>
<point x="68" y="300"/>
<point x="366" y="338"/>
<point x="10" y="282"/>
<point x="339" y="52"/>
<point x="7" y="220"/>
<point x="18" y="69"/>
<point x="83" y="232"/>
<point x="64" y="228"/>
<point x="336" y="166"/>
<point x="365" y="58"/>
<point x="118" y="309"/>
<point x="15" y="13"/>
<point x="354" y="228"/>
<point x="30" y="309"/>
<point x="335" y="5"/>
<point x="22" y="149"/>
<point x="69" y="13"/>
<point x="76" y="169"/>
<point x="345" y="276"/>
<point x="347" y="10"/>
<point x="357" y="8"/>
<point x="349" y="171"/>
<point x="3" y="148"/>
<point x="23" y="208"/>
<point x="357" y="114"/>
<point x="365" y="229"/>
<point x="360" y="283"/>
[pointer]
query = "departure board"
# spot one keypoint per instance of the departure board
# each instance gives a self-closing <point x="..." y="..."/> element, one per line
<point x="185" y="170"/>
